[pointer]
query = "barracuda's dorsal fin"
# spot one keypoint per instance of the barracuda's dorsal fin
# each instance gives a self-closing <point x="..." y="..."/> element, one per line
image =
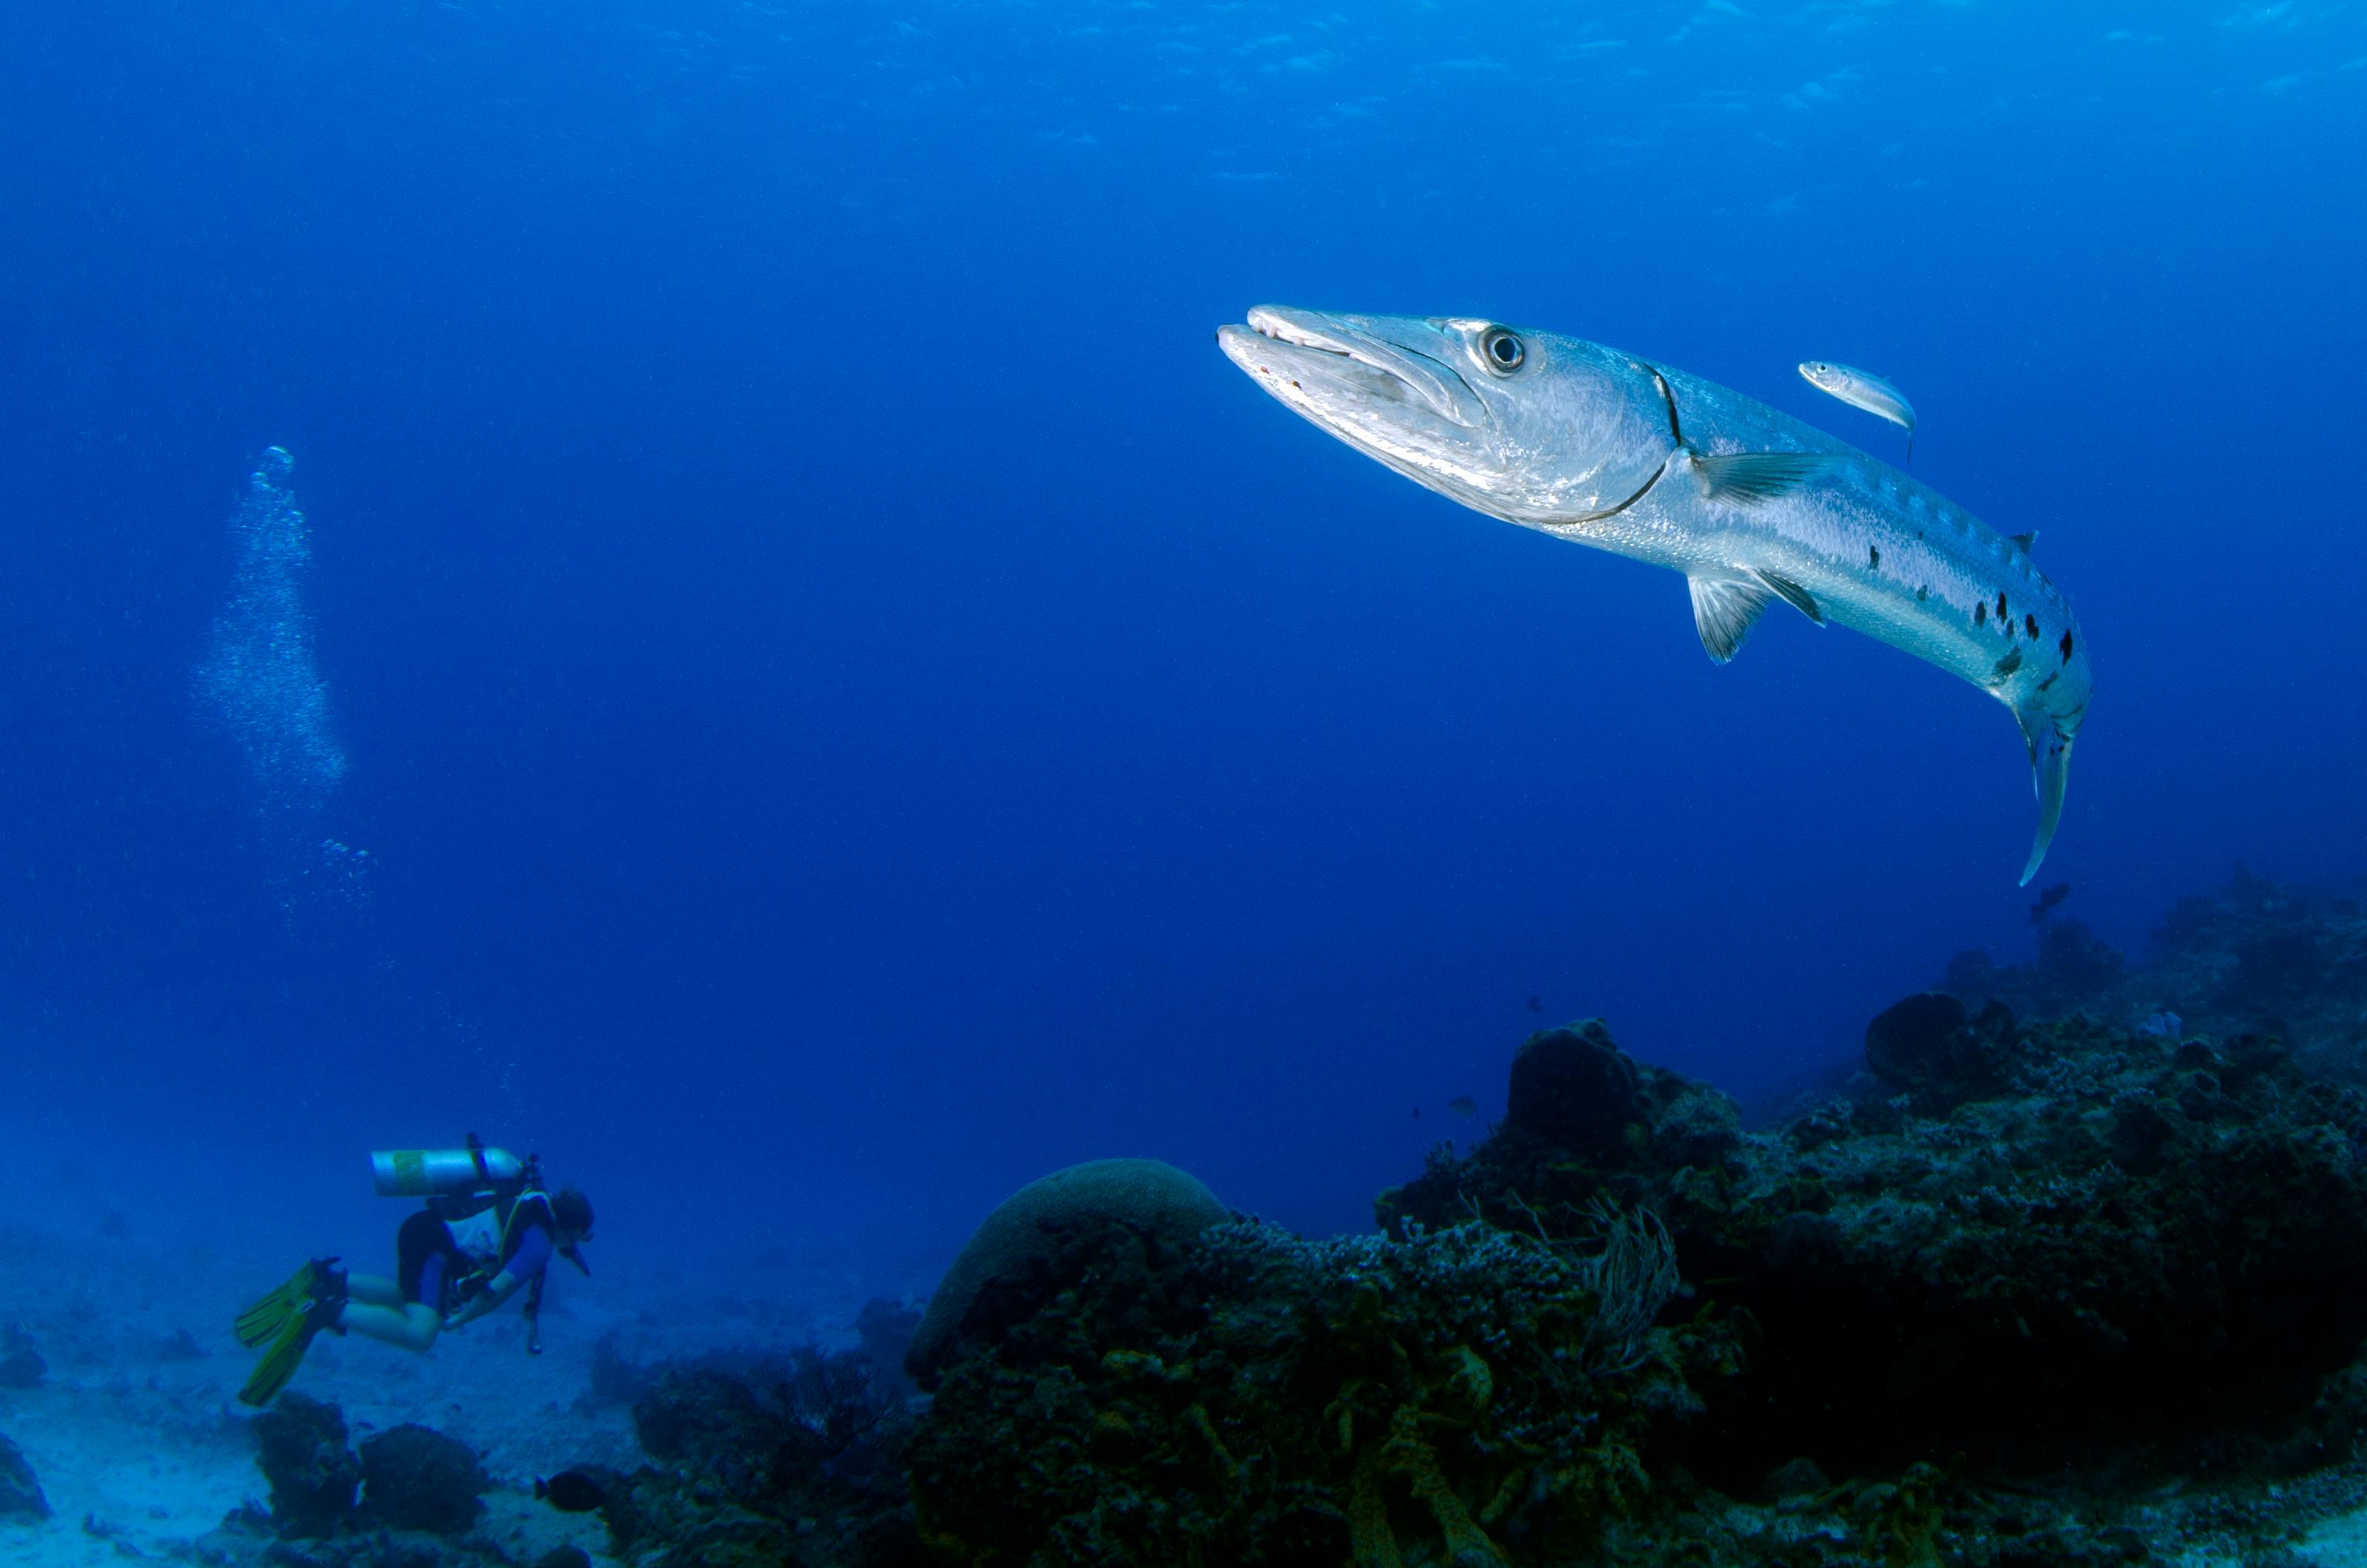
<point x="1749" y="479"/>
<point x="1723" y="613"/>
<point x="2025" y="540"/>
<point x="1792" y="594"/>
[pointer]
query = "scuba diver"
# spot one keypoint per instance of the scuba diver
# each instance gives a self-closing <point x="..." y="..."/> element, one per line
<point x="490" y="1228"/>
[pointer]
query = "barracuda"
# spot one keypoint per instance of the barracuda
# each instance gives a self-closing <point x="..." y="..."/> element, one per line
<point x="1604" y="448"/>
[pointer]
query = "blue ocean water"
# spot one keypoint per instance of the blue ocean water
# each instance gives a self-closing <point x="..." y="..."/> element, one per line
<point x="806" y="689"/>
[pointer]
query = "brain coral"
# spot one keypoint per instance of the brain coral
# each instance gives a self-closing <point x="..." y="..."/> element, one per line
<point x="1022" y="1235"/>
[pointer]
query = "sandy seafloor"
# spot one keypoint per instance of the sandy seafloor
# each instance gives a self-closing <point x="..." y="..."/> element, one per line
<point x="141" y="1446"/>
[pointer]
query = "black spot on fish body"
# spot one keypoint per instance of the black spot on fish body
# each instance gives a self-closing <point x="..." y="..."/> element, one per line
<point x="2007" y="665"/>
<point x="2067" y="647"/>
<point x="2050" y="680"/>
<point x="2001" y="613"/>
<point x="1922" y="593"/>
<point x="1980" y="614"/>
<point x="2030" y="624"/>
<point x="1873" y="558"/>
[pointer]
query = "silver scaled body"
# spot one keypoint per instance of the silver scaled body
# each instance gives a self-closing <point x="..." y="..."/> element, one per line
<point x="1615" y="451"/>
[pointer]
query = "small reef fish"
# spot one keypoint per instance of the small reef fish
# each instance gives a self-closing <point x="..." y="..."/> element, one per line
<point x="1463" y="1105"/>
<point x="571" y="1492"/>
<point x="1861" y="388"/>
<point x="2162" y="1026"/>
<point x="1601" y="447"/>
<point x="1536" y="1003"/>
<point x="2048" y="901"/>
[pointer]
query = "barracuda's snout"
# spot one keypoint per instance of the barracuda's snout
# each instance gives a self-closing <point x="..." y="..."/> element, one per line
<point x="1517" y="423"/>
<point x="1338" y="363"/>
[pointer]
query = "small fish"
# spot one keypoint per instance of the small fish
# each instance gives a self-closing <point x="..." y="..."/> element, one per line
<point x="1860" y="389"/>
<point x="1463" y="1105"/>
<point x="2047" y="902"/>
<point x="2162" y="1026"/>
<point x="1536" y="1003"/>
<point x="571" y="1492"/>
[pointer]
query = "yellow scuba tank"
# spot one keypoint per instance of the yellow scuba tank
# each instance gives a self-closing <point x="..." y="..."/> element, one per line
<point x="433" y="1173"/>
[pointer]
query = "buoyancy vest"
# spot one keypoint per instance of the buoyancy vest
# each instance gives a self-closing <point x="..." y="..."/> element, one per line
<point x="487" y="1227"/>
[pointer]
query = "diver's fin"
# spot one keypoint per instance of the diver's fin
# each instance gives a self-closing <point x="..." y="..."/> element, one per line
<point x="1723" y="613"/>
<point x="261" y="1323"/>
<point x="2025" y="540"/>
<point x="279" y="1362"/>
<point x="323" y="1306"/>
<point x="1746" y="479"/>
<point x="2050" y="761"/>
<point x="1792" y="594"/>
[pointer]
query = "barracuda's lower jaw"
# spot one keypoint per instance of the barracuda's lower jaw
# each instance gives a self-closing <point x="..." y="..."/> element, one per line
<point x="1423" y="379"/>
<point x="1364" y="405"/>
<point x="1310" y="378"/>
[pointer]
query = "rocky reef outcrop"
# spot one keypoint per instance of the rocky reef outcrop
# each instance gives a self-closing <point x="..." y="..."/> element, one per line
<point x="22" y="1499"/>
<point x="2052" y="1243"/>
<point x="416" y="1478"/>
<point x="314" y="1477"/>
<point x="1004" y="1270"/>
<point x="2257" y="955"/>
<point x="409" y="1498"/>
<point x="771" y="1459"/>
<point x="1254" y="1397"/>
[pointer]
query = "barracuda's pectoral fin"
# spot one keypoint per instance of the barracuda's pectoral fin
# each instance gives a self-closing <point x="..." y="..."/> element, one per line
<point x="1751" y="478"/>
<point x="2050" y="761"/>
<point x="1723" y="613"/>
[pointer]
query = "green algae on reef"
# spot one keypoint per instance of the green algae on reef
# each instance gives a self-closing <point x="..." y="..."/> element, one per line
<point x="1260" y="1398"/>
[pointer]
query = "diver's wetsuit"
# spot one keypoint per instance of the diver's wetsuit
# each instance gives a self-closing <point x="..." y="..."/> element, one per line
<point x="429" y="1257"/>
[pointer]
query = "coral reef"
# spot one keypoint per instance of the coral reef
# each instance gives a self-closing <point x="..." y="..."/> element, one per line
<point x="313" y="1475"/>
<point x="2064" y="1240"/>
<point x="20" y="1490"/>
<point x="1001" y="1272"/>
<point x="1251" y="1397"/>
<point x="2255" y="957"/>
<point x="417" y="1478"/>
<point x="796" y="1459"/>
<point x="2041" y="1268"/>
<point x="409" y="1498"/>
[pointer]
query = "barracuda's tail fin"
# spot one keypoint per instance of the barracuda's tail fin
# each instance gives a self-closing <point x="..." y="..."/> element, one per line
<point x="2050" y="761"/>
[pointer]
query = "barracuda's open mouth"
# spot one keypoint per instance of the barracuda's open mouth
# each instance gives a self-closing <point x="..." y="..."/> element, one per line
<point x="1331" y="365"/>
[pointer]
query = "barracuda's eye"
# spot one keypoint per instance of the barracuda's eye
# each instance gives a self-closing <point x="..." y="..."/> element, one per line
<point x="1501" y="351"/>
